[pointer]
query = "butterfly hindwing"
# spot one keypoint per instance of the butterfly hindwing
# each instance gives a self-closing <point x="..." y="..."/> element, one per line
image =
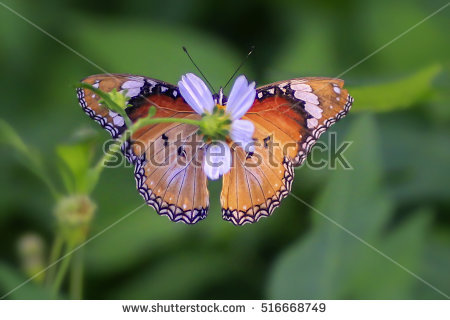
<point x="289" y="117"/>
<point x="257" y="182"/>
<point x="169" y="172"/>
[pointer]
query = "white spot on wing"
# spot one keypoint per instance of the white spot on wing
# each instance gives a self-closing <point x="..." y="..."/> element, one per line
<point x="312" y="123"/>
<point x="313" y="110"/>
<point x="307" y="97"/>
<point x="116" y="118"/>
<point x="337" y="89"/>
<point x="151" y="82"/>
<point x="133" y="92"/>
<point x="301" y="87"/>
<point x="132" y="84"/>
<point x="271" y="90"/>
<point x="136" y="78"/>
<point x="118" y="121"/>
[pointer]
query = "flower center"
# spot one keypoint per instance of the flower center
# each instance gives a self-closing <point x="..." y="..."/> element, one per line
<point x="216" y="125"/>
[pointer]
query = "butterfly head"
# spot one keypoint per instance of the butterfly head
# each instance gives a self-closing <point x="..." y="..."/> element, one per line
<point x="219" y="98"/>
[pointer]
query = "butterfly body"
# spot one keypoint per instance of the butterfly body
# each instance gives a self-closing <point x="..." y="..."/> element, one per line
<point x="287" y="116"/>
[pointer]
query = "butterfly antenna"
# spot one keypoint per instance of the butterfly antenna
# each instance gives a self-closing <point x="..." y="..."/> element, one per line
<point x="252" y="48"/>
<point x="190" y="58"/>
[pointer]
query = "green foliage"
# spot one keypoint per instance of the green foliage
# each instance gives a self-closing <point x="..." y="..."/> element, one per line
<point x="75" y="167"/>
<point x="343" y="266"/>
<point x="29" y="157"/>
<point x="395" y="95"/>
<point x="10" y="278"/>
<point x="10" y="137"/>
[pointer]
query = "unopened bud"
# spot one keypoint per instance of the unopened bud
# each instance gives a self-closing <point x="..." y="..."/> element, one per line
<point x="74" y="214"/>
<point x="31" y="249"/>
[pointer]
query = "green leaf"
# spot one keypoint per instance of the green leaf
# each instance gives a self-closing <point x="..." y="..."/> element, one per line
<point x="330" y="262"/>
<point x="416" y="158"/>
<point x="29" y="157"/>
<point x="74" y="166"/>
<point x="395" y="95"/>
<point x="376" y="277"/>
<point x="436" y="264"/>
<point x="10" y="137"/>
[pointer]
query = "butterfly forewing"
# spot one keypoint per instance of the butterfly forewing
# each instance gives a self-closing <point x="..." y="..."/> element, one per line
<point x="289" y="117"/>
<point x="140" y="90"/>
<point x="311" y="104"/>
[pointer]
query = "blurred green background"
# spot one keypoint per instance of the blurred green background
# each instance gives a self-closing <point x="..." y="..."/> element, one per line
<point x="397" y="198"/>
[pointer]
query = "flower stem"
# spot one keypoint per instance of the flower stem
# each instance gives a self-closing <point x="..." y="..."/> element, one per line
<point x="110" y="102"/>
<point x="54" y="254"/>
<point x="61" y="271"/>
<point x="147" y="121"/>
<point x="76" y="276"/>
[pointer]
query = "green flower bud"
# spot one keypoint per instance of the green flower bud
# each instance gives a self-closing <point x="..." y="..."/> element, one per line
<point x="74" y="215"/>
<point x="31" y="250"/>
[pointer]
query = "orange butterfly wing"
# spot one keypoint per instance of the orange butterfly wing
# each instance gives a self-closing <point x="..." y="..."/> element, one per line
<point x="167" y="156"/>
<point x="289" y="117"/>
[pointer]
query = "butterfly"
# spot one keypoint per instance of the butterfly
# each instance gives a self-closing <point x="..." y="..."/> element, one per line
<point x="272" y="130"/>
